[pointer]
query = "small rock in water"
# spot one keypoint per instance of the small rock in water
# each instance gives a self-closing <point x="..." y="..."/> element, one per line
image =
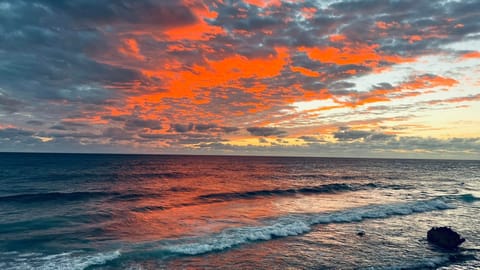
<point x="444" y="237"/>
<point x="361" y="233"/>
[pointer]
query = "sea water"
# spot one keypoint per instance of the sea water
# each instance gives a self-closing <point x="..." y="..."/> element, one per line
<point x="75" y="211"/>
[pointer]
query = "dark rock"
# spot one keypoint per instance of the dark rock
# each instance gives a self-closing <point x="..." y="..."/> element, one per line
<point x="444" y="237"/>
<point x="361" y="233"/>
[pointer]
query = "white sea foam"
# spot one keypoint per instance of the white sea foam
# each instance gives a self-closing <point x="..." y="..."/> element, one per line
<point x="67" y="260"/>
<point x="299" y="224"/>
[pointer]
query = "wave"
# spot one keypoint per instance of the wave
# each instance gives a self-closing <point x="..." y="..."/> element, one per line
<point x="253" y="194"/>
<point x="75" y="196"/>
<point x="53" y="196"/>
<point x="67" y="260"/>
<point x="328" y="188"/>
<point x="229" y="196"/>
<point x="298" y="224"/>
<point x="469" y="198"/>
<point x="108" y="176"/>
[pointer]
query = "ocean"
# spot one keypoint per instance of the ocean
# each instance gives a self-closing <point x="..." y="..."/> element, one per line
<point x="95" y="211"/>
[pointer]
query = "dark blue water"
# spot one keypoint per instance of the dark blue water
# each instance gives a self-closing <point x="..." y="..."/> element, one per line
<point x="73" y="211"/>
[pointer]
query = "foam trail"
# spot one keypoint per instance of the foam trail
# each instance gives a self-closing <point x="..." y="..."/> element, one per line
<point x="298" y="224"/>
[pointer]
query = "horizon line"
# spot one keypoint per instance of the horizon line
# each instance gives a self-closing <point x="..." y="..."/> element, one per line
<point x="233" y="155"/>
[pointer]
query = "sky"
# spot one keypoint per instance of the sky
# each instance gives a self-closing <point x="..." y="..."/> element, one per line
<point x="298" y="78"/>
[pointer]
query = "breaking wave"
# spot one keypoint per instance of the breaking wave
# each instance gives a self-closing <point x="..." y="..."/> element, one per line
<point x="299" y="224"/>
<point x="67" y="260"/>
<point x="328" y="188"/>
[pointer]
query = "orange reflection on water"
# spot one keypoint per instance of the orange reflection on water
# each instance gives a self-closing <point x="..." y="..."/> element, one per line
<point x="184" y="197"/>
<point x="190" y="220"/>
<point x="172" y="208"/>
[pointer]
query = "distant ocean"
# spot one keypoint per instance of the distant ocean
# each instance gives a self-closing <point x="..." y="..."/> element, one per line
<point x="75" y="211"/>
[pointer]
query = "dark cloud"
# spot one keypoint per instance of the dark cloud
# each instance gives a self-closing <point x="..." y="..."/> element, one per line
<point x="395" y="147"/>
<point x="117" y="134"/>
<point x="145" y="12"/>
<point x="180" y="138"/>
<point x="383" y="85"/>
<point x="266" y="131"/>
<point x="340" y="85"/>
<point x="262" y="140"/>
<point x="59" y="127"/>
<point x="120" y="118"/>
<point x="202" y="128"/>
<point x="73" y="126"/>
<point x="182" y="128"/>
<point x="230" y="129"/>
<point x="136" y="123"/>
<point x="13" y="133"/>
<point x="72" y="135"/>
<point x="35" y="122"/>
<point x="242" y="17"/>
<point x="205" y="127"/>
<point x="347" y="134"/>
<point x="8" y="104"/>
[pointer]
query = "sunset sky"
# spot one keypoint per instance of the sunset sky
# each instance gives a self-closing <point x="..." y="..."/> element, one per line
<point x="307" y="78"/>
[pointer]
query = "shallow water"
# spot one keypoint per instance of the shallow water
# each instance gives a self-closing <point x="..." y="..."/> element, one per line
<point x="61" y="211"/>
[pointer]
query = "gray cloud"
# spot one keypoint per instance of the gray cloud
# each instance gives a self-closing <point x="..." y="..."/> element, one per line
<point x="266" y="131"/>
<point x="35" y="122"/>
<point x="182" y="128"/>
<point x="395" y="147"/>
<point x="205" y="127"/>
<point x="144" y="12"/>
<point x="117" y="134"/>
<point x="347" y="134"/>
<point x="73" y="126"/>
<point x="9" y="105"/>
<point x="230" y="129"/>
<point x="262" y="140"/>
<point x="12" y="133"/>
<point x="136" y="123"/>
<point x="200" y="127"/>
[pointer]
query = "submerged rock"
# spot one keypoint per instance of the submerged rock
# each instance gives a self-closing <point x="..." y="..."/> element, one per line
<point x="444" y="237"/>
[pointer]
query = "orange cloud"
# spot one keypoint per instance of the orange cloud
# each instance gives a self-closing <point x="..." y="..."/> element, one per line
<point x="305" y="71"/>
<point x="130" y="48"/>
<point x="456" y="99"/>
<point x="308" y="12"/>
<point x="337" y="38"/>
<point x="423" y="82"/>
<point x="199" y="31"/>
<point x="412" y="39"/>
<point x="351" y="54"/>
<point x="385" y="25"/>
<point x="263" y="3"/>
<point x="415" y="87"/>
<point x="222" y="73"/>
<point x="471" y="55"/>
